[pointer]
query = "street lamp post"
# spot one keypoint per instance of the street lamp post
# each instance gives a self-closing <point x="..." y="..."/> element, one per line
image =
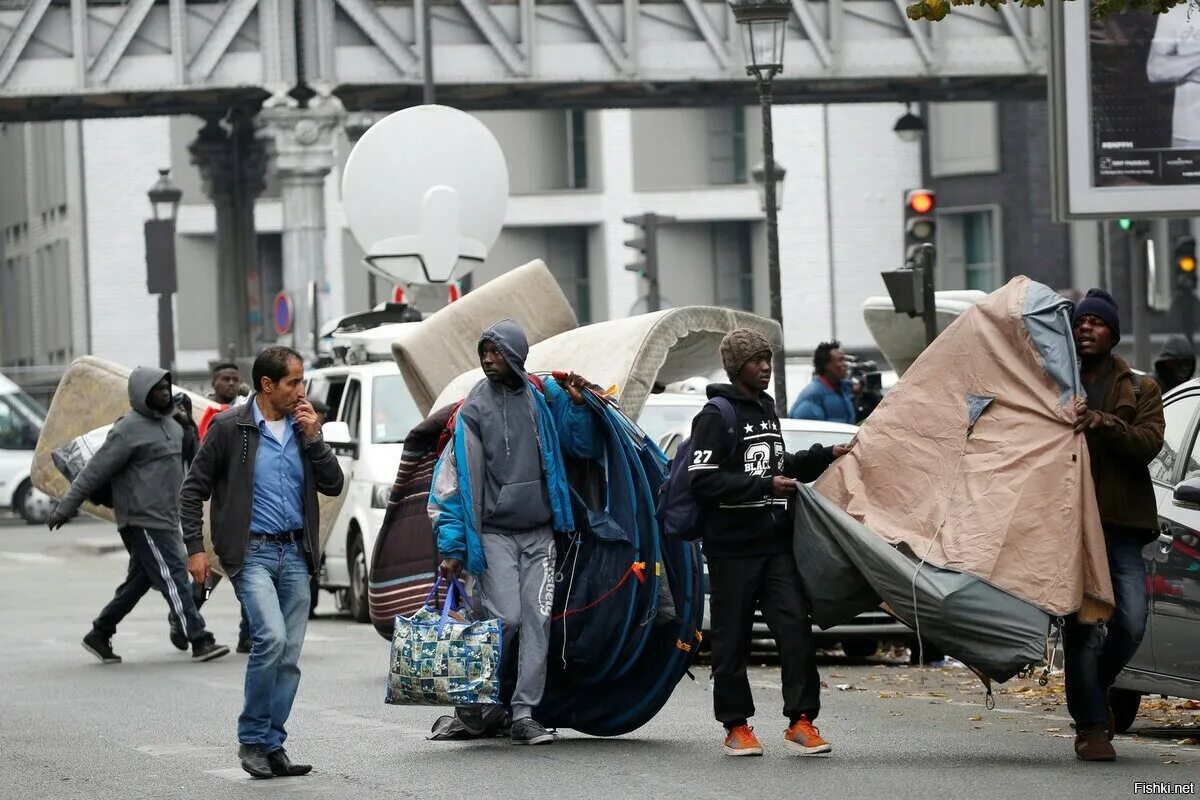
<point x="764" y="24"/>
<point x="160" y="261"/>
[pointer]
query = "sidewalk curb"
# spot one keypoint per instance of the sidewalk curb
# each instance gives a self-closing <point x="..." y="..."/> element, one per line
<point x="99" y="545"/>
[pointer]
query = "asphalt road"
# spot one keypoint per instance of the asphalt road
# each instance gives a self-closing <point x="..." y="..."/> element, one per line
<point x="158" y="726"/>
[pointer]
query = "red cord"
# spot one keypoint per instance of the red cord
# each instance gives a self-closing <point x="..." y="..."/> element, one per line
<point x="597" y="601"/>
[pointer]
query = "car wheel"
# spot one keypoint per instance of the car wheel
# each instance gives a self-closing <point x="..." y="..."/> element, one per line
<point x="360" y="608"/>
<point x="860" y="648"/>
<point x="26" y="506"/>
<point x="1124" y="705"/>
<point x="928" y="654"/>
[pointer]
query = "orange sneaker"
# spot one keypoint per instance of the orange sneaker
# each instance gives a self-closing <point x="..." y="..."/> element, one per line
<point x="803" y="737"/>
<point x="741" y="741"/>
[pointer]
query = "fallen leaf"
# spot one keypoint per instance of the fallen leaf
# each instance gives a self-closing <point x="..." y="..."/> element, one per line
<point x="844" y="687"/>
<point x="1171" y="761"/>
<point x="824" y="685"/>
<point x="1188" y="705"/>
<point x="1053" y="730"/>
<point x="836" y="675"/>
<point x="1190" y="741"/>
<point x="976" y="718"/>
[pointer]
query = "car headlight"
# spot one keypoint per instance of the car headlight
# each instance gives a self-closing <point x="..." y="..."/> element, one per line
<point x="380" y="495"/>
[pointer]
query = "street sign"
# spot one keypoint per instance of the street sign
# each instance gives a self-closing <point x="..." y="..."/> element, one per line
<point x="284" y="314"/>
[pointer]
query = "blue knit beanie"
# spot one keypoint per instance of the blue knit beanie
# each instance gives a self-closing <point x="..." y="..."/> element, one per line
<point x="1099" y="303"/>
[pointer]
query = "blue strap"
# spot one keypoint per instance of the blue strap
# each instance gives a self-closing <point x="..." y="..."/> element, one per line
<point x="456" y="598"/>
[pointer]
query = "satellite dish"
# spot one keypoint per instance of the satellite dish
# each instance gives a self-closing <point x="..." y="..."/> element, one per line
<point x="425" y="192"/>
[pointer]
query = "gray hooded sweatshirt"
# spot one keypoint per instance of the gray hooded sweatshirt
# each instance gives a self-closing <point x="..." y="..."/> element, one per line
<point x="515" y="499"/>
<point x="142" y="457"/>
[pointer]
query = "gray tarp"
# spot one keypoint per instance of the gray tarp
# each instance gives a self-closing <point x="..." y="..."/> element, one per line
<point x="848" y="569"/>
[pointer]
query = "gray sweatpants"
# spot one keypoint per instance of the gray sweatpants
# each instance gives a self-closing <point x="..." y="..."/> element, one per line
<point x="518" y="589"/>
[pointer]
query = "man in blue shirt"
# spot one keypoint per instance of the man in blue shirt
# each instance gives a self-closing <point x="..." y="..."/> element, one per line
<point x="830" y="396"/>
<point x="263" y="464"/>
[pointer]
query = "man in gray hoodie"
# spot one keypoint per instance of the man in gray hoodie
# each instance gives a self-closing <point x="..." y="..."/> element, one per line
<point x="143" y="460"/>
<point x="495" y="510"/>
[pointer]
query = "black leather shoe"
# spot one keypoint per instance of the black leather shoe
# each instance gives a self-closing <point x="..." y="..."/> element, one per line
<point x="282" y="766"/>
<point x="255" y="761"/>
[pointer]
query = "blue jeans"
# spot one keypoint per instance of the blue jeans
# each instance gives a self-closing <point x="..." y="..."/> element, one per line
<point x="1095" y="654"/>
<point x="272" y="586"/>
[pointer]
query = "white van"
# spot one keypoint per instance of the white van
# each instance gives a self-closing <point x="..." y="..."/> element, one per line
<point x="369" y="413"/>
<point x="21" y="420"/>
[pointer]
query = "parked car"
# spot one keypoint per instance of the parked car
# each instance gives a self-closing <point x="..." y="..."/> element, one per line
<point x="21" y="420"/>
<point x="1168" y="661"/>
<point x="370" y="413"/>
<point x="864" y="635"/>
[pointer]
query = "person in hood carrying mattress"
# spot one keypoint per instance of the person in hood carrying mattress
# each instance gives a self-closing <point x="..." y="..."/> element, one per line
<point x="499" y="494"/>
<point x="143" y="458"/>
<point x="1122" y="419"/>
<point x="743" y="481"/>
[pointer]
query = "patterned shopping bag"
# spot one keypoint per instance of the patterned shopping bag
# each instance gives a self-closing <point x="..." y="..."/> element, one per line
<point x="438" y="659"/>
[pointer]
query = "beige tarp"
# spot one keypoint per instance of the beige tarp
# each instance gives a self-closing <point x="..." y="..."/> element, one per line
<point x="442" y="347"/>
<point x="633" y="353"/>
<point x="92" y="394"/>
<point x="1010" y="501"/>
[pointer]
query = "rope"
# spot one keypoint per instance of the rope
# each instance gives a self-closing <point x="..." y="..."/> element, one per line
<point x="600" y="599"/>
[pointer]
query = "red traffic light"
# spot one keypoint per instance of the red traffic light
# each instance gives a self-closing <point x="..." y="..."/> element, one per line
<point x="921" y="201"/>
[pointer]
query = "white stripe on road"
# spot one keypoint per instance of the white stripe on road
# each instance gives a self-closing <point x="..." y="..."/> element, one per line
<point x="172" y="591"/>
<point x="31" y="558"/>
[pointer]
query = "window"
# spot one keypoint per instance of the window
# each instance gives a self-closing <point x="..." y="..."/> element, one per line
<point x="1178" y="416"/>
<point x="351" y="414"/>
<point x="394" y="413"/>
<point x="16" y="432"/>
<point x="734" y="278"/>
<point x="964" y="139"/>
<point x="969" y="248"/>
<point x="727" y="145"/>
<point x="328" y="390"/>
<point x="577" y="130"/>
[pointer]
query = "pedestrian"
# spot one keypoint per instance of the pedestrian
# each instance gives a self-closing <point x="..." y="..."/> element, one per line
<point x="226" y="379"/>
<point x="1176" y="363"/>
<point x="743" y="480"/>
<point x="830" y="395"/>
<point x="143" y="460"/>
<point x="1122" y="419"/>
<point x="262" y="464"/>
<point x="506" y="463"/>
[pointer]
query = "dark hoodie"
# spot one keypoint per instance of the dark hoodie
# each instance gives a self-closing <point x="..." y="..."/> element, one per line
<point x="1177" y="348"/>
<point x="142" y="457"/>
<point x="515" y="498"/>
<point x="740" y="515"/>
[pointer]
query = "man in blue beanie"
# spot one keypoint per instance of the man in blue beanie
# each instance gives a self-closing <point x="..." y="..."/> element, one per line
<point x="1122" y="419"/>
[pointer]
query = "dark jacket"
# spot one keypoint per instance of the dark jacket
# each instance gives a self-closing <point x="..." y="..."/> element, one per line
<point x="1121" y="450"/>
<point x="142" y="458"/>
<point x="224" y="471"/>
<point x="740" y="515"/>
<point x="1176" y="348"/>
<point x="819" y="401"/>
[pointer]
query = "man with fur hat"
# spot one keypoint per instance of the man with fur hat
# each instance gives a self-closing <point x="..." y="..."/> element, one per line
<point x="744" y="480"/>
<point x="1122" y="419"/>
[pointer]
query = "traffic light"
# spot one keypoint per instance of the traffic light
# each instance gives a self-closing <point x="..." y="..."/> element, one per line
<point x="1125" y="224"/>
<point x="1185" y="263"/>
<point x="920" y="227"/>
<point x="645" y="244"/>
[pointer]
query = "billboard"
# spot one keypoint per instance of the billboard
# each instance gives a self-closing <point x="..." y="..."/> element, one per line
<point x="1125" y="112"/>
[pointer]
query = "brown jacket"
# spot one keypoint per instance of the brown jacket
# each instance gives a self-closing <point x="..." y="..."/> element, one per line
<point x="1121" y="450"/>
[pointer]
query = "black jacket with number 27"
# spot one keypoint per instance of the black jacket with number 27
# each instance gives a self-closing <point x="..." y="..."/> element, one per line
<point x="740" y="515"/>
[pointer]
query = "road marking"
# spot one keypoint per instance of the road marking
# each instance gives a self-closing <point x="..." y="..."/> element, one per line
<point x="31" y="558"/>
<point x="161" y="750"/>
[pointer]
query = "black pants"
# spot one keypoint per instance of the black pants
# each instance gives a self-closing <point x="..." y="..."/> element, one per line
<point x="198" y="598"/>
<point x="738" y="586"/>
<point x="158" y="560"/>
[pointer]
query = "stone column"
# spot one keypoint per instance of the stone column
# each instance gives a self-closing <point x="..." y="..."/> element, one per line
<point x="232" y="163"/>
<point x="302" y="145"/>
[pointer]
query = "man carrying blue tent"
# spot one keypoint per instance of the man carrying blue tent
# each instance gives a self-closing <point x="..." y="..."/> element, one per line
<point x="499" y="494"/>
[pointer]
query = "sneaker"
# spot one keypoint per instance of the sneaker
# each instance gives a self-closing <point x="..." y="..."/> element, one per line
<point x="206" y="649"/>
<point x="244" y="645"/>
<point x="741" y="741"/>
<point x="530" y="731"/>
<point x="177" y="636"/>
<point x="1092" y="744"/>
<point x="100" y="646"/>
<point x="803" y="737"/>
